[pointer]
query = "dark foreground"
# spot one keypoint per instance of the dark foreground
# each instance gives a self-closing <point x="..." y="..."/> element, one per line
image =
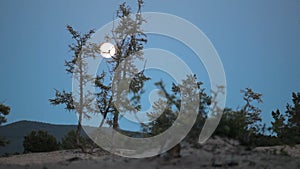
<point x="216" y="153"/>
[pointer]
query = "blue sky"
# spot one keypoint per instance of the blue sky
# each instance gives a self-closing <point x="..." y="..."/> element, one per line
<point x="257" y="41"/>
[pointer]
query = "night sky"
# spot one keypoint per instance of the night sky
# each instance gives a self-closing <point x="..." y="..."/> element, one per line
<point x="257" y="41"/>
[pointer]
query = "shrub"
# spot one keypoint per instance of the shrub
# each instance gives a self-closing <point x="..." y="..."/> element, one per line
<point x="69" y="140"/>
<point x="40" y="141"/>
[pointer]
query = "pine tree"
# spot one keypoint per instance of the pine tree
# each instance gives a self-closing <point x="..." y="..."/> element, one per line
<point x="78" y="67"/>
<point x="287" y="126"/>
<point x="243" y="124"/>
<point x="171" y="107"/>
<point x="129" y="40"/>
<point x="251" y="115"/>
<point x="251" y="112"/>
<point x="279" y="126"/>
<point x="4" y="111"/>
<point x="293" y="118"/>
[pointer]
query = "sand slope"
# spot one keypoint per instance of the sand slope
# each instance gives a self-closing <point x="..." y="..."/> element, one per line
<point x="216" y="153"/>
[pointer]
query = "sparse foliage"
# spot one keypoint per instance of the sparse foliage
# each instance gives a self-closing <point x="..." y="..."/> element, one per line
<point x="251" y="112"/>
<point x="77" y="66"/>
<point x="129" y="41"/>
<point x="171" y="107"/>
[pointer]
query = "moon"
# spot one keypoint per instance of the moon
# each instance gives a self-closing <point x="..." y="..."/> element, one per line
<point x="107" y="50"/>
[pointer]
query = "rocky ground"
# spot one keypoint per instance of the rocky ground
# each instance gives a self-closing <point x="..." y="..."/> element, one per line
<point x="215" y="153"/>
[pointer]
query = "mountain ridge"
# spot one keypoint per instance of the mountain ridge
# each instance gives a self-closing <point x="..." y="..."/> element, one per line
<point x="15" y="132"/>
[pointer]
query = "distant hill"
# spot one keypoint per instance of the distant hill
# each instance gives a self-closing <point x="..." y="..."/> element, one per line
<point x="15" y="133"/>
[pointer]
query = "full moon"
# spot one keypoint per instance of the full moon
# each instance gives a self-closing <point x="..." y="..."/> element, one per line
<point x="107" y="50"/>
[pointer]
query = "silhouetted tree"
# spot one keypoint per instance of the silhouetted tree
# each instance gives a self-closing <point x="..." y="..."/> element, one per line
<point x="171" y="107"/>
<point x="4" y="111"/>
<point x="129" y="41"/>
<point x="279" y="126"/>
<point x="243" y="124"/>
<point x="287" y="126"/>
<point x="252" y="116"/>
<point x="251" y="112"/>
<point x="78" y="67"/>
<point x="293" y="118"/>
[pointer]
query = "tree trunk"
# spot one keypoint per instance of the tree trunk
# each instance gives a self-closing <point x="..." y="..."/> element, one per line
<point x="174" y="152"/>
<point x="116" y="120"/>
<point x="80" y="111"/>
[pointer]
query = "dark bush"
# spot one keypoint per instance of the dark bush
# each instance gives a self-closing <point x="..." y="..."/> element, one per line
<point x="40" y="141"/>
<point x="69" y="140"/>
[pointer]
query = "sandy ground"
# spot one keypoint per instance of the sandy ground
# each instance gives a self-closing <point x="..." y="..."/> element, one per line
<point x="216" y="153"/>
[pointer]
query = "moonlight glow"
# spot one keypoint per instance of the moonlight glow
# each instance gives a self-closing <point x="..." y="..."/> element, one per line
<point x="107" y="50"/>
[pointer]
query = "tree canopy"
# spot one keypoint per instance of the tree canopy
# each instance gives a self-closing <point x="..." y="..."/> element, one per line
<point x="4" y="111"/>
